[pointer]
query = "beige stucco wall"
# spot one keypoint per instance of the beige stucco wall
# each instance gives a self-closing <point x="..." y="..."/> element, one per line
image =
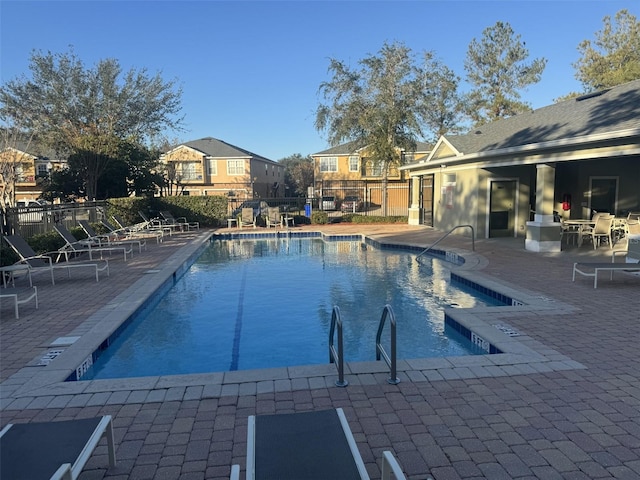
<point x="470" y="197"/>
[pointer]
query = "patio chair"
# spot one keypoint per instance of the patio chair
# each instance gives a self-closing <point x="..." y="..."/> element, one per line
<point x="37" y="262"/>
<point x="273" y="217"/>
<point x="601" y="230"/>
<point x="110" y="239"/>
<point x="169" y="219"/>
<point x="48" y="450"/>
<point x="90" y="246"/>
<point x="247" y="218"/>
<point x="310" y="445"/>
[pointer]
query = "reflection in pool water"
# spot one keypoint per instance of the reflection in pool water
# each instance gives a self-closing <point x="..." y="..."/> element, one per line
<point x="248" y="304"/>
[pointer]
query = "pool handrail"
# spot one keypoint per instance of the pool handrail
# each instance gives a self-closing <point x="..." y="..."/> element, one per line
<point x="337" y="357"/>
<point x="387" y="311"/>
<point x="473" y="240"/>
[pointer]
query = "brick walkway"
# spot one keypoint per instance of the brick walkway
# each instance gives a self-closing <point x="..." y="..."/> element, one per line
<point x="563" y="403"/>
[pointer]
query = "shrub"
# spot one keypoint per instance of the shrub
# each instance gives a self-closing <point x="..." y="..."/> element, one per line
<point x="47" y="242"/>
<point x="209" y="211"/>
<point x="7" y="255"/>
<point x="319" y="218"/>
<point x="355" y="218"/>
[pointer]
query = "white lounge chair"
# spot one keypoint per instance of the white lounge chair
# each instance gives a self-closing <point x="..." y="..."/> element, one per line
<point x="308" y="445"/>
<point x="53" y="450"/>
<point x="91" y="246"/>
<point x="156" y="223"/>
<point x="136" y="231"/>
<point x="169" y="219"/>
<point x="111" y="239"/>
<point x="591" y="269"/>
<point x="44" y="262"/>
<point x="19" y="296"/>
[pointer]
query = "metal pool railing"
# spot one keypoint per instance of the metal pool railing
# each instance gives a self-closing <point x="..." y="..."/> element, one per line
<point x="473" y="240"/>
<point x="380" y="351"/>
<point x="337" y="357"/>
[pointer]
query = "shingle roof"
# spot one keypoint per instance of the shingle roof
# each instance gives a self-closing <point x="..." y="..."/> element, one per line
<point x="213" y="147"/>
<point x="343" y="149"/>
<point x="351" y="147"/>
<point x="611" y="110"/>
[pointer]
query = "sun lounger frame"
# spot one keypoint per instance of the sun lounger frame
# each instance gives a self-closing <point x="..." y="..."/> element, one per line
<point x="102" y="426"/>
<point x="13" y="294"/>
<point x="389" y="464"/>
<point x="592" y="269"/>
<point x="45" y="262"/>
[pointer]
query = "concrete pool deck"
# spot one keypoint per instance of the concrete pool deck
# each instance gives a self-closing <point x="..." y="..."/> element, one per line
<point x="564" y="402"/>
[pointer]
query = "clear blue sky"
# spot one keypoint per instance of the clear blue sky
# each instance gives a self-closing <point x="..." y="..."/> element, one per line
<point x="250" y="70"/>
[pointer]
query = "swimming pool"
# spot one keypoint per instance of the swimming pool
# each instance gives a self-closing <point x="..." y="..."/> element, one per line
<point x="264" y="303"/>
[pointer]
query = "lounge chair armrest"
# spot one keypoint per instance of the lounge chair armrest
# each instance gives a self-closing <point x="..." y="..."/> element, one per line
<point x="617" y="252"/>
<point x="44" y="257"/>
<point x="235" y="472"/>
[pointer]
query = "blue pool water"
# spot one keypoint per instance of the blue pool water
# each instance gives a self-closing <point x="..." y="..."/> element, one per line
<point x="248" y="304"/>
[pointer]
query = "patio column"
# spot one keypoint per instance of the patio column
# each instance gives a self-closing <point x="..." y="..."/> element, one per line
<point x="544" y="234"/>
<point x="414" y="208"/>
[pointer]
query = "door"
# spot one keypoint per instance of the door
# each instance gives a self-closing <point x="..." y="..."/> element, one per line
<point x="426" y="199"/>
<point x="604" y="194"/>
<point x="502" y="208"/>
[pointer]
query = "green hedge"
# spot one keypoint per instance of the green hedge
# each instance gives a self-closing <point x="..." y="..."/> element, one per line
<point x="209" y="211"/>
<point x="355" y="218"/>
<point x="319" y="218"/>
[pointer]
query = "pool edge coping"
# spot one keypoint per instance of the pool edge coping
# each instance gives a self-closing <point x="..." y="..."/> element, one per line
<point x="522" y="354"/>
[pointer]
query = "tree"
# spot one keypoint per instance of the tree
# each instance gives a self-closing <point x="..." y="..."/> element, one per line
<point x="378" y="106"/>
<point x="496" y="66"/>
<point x="613" y="57"/>
<point x="90" y="112"/>
<point x="442" y="108"/>
<point x="142" y="166"/>
<point x="64" y="184"/>
<point x="298" y="174"/>
<point x="375" y="106"/>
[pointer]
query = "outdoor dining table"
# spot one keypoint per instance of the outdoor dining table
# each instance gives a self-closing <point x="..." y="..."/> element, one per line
<point x="579" y="225"/>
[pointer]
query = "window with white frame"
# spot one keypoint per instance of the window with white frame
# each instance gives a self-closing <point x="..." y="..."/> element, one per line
<point x="235" y="167"/>
<point x="189" y="171"/>
<point x="353" y="163"/>
<point x="376" y="169"/>
<point x="19" y="173"/>
<point x="329" y="164"/>
<point x="42" y="170"/>
<point x="212" y="166"/>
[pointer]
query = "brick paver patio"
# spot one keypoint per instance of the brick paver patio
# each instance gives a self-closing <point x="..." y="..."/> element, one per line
<point x="564" y="405"/>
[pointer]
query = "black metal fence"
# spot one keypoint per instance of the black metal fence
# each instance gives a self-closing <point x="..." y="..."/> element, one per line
<point x="32" y="220"/>
<point x="336" y="198"/>
<point x="365" y="197"/>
